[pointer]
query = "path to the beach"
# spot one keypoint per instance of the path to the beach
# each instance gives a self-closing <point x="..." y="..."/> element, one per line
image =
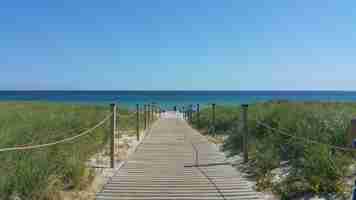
<point x="175" y="162"/>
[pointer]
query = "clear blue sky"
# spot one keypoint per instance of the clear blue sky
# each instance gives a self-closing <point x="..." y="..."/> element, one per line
<point x="185" y="44"/>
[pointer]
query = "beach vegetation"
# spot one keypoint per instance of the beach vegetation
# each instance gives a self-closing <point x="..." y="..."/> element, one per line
<point x="300" y="135"/>
<point x="41" y="173"/>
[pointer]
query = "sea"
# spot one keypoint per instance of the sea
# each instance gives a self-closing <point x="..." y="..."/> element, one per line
<point x="169" y="99"/>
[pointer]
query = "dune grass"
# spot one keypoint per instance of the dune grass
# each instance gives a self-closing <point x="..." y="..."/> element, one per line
<point x="40" y="174"/>
<point x="313" y="168"/>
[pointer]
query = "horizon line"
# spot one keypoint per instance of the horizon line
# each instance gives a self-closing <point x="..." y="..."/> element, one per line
<point x="135" y="90"/>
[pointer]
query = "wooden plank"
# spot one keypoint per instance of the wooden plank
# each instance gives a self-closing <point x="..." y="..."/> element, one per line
<point x="157" y="169"/>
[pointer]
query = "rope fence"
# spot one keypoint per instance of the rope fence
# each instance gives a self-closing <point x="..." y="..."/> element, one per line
<point x="281" y="132"/>
<point x="107" y="145"/>
<point x="59" y="141"/>
<point x="187" y="113"/>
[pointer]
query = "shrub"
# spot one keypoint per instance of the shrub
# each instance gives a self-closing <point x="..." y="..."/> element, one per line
<point x="313" y="168"/>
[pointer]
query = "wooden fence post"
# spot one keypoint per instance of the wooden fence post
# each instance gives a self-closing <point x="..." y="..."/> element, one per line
<point x="138" y="122"/>
<point x="117" y="128"/>
<point x="187" y="113"/>
<point x="352" y="133"/>
<point x="245" y="132"/>
<point x="159" y="111"/>
<point x="198" y="115"/>
<point x="144" y="116"/>
<point x="152" y="112"/>
<point x="213" y="121"/>
<point x="113" y="130"/>
<point x="149" y="115"/>
<point x="191" y="113"/>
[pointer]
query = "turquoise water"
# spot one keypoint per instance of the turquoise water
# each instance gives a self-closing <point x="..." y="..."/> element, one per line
<point x="168" y="99"/>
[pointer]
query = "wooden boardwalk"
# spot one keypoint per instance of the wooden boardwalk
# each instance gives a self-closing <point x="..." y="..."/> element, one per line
<point x="163" y="168"/>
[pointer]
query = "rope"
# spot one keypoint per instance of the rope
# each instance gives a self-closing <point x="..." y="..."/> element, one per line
<point x="59" y="141"/>
<point x="52" y="133"/>
<point x="131" y="115"/>
<point x="303" y="139"/>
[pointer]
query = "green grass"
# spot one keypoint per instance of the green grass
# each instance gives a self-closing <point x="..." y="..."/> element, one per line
<point x="315" y="168"/>
<point x="40" y="174"/>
